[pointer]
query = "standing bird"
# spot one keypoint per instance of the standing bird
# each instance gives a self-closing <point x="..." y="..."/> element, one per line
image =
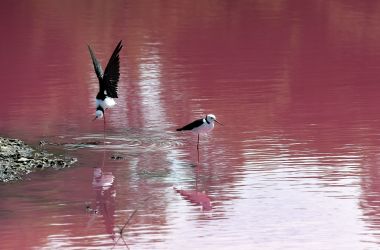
<point x="201" y="126"/>
<point x="107" y="82"/>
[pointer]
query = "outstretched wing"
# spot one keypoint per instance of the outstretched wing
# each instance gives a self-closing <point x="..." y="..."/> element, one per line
<point x="97" y="66"/>
<point x="192" y="125"/>
<point x="111" y="73"/>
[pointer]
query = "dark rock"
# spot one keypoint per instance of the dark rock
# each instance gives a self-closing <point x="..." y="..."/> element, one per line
<point x="18" y="159"/>
<point x="117" y="157"/>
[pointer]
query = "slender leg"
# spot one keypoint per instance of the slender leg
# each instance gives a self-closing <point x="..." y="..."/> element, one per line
<point x="104" y="120"/>
<point x="104" y="127"/>
<point x="198" y="148"/>
<point x="196" y="179"/>
<point x="104" y="148"/>
<point x="104" y="139"/>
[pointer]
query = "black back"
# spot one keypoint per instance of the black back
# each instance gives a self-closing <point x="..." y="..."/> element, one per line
<point x="192" y="125"/>
<point x="109" y="79"/>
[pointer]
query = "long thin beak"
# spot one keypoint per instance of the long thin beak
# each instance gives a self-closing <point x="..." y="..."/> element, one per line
<point x="218" y="122"/>
<point x="94" y="118"/>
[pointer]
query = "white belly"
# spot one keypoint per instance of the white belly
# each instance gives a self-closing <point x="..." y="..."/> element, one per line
<point x="106" y="103"/>
<point x="205" y="128"/>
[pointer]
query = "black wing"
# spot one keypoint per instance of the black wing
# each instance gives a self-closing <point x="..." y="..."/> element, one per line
<point x="192" y="125"/>
<point x="97" y="66"/>
<point x="111" y="73"/>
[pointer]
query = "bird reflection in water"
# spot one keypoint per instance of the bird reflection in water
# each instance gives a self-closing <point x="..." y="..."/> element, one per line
<point x="103" y="185"/>
<point x="105" y="195"/>
<point x="195" y="196"/>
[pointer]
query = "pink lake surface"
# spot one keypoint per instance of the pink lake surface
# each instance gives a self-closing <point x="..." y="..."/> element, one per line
<point x="295" y="166"/>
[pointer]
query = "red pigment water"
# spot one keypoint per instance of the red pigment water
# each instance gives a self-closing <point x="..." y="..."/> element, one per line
<point x="295" y="83"/>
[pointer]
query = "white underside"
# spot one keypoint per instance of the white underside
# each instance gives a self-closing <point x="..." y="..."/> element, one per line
<point x="204" y="128"/>
<point x="107" y="103"/>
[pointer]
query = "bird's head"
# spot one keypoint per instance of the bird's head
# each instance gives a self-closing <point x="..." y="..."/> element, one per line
<point x="211" y="118"/>
<point x="99" y="113"/>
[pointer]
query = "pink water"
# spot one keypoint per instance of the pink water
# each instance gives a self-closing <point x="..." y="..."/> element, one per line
<point x="296" y="83"/>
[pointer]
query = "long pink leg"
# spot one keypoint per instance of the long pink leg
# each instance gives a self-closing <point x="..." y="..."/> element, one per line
<point x="198" y="148"/>
<point x="104" y="127"/>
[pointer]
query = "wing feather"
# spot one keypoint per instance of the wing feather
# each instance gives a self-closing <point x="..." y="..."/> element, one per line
<point x="112" y="73"/>
<point x="192" y="125"/>
<point x="97" y="67"/>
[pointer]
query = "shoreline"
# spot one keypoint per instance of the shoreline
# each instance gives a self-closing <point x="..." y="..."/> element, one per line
<point x="17" y="159"/>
